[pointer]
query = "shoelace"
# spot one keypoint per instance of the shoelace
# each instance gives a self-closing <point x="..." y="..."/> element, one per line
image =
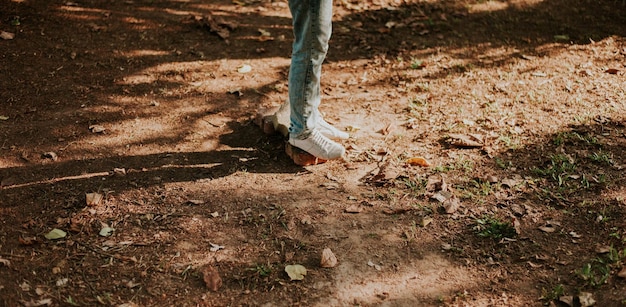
<point x="324" y="142"/>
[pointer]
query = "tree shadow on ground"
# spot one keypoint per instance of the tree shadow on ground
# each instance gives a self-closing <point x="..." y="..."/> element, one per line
<point x="121" y="43"/>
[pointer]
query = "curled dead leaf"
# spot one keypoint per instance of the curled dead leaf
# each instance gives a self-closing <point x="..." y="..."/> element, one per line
<point x="451" y="205"/>
<point x="93" y="199"/>
<point x="296" y="271"/>
<point x="211" y="278"/>
<point x="6" y="35"/>
<point x="97" y="128"/>
<point x="467" y="140"/>
<point x="50" y="155"/>
<point x="418" y="161"/>
<point x="329" y="260"/>
<point x="622" y="273"/>
<point x="5" y="262"/>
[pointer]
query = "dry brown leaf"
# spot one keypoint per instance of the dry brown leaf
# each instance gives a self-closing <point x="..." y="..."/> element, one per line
<point x="27" y="241"/>
<point x="329" y="260"/>
<point x="548" y="229"/>
<point x="452" y="205"/>
<point x="93" y="199"/>
<point x="6" y="35"/>
<point x="400" y="210"/>
<point x="354" y="209"/>
<point x="467" y="140"/>
<point x="612" y="71"/>
<point x="5" y="262"/>
<point x="622" y="273"/>
<point x="97" y="128"/>
<point x="418" y="161"/>
<point x="211" y="278"/>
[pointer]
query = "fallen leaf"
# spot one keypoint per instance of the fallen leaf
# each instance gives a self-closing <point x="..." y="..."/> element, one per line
<point x="329" y="260"/>
<point x="512" y="182"/>
<point x="195" y="202"/>
<point x="467" y="140"/>
<point x="426" y="221"/>
<point x="330" y="185"/>
<point x="612" y="71"/>
<point x="50" y="155"/>
<point x="622" y="273"/>
<point x="442" y="196"/>
<point x="131" y="284"/>
<point x="97" y="128"/>
<point x="55" y="234"/>
<point x="452" y="205"/>
<point x="5" y="262"/>
<point x="93" y="199"/>
<point x="354" y="208"/>
<point x="7" y="35"/>
<point x="603" y="249"/>
<point x="586" y="299"/>
<point x="215" y="25"/>
<point x="567" y="300"/>
<point x="215" y="247"/>
<point x="295" y="271"/>
<point x="4" y="117"/>
<point x="106" y="231"/>
<point x="374" y="265"/>
<point x="211" y="278"/>
<point x="244" y="69"/>
<point x="43" y="302"/>
<point x="548" y="229"/>
<point x="27" y="241"/>
<point x="418" y="161"/>
<point x="574" y="235"/>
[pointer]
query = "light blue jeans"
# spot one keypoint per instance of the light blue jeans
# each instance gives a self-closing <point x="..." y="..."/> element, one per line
<point x="312" y="26"/>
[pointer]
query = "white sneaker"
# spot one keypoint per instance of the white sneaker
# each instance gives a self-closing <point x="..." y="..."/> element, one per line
<point x="331" y="132"/>
<point x="319" y="145"/>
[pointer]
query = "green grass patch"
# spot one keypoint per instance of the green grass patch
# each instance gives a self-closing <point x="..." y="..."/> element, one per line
<point x="492" y="227"/>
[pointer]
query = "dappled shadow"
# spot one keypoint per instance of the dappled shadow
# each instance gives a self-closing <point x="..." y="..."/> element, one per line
<point x="102" y="63"/>
<point x="114" y="71"/>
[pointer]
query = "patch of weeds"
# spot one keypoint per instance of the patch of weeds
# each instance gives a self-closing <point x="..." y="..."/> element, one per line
<point x="594" y="274"/>
<point x="598" y="271"/>
<point x="261" y="270"/>
<point x="417" y="64"/>
<point x="552" y="295"/>
<point x="559" y="169"/>
<point x="417" y="186"/>
<point x="503" y="164"/>
<point x="71" y="301"/>
<point x="483" y="188"/>
<point x="461" y="164"/>
<point x="565" y="137"/>
<point x="601" y="157"/>
<point x="492" y="227"/>
<point x="509" y="142"/>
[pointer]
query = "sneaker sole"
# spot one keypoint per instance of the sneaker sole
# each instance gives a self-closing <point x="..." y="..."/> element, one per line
<point x="301" y="157"/>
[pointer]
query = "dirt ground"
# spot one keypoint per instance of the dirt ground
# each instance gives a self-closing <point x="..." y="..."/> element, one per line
<point x="516" y="106"/>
